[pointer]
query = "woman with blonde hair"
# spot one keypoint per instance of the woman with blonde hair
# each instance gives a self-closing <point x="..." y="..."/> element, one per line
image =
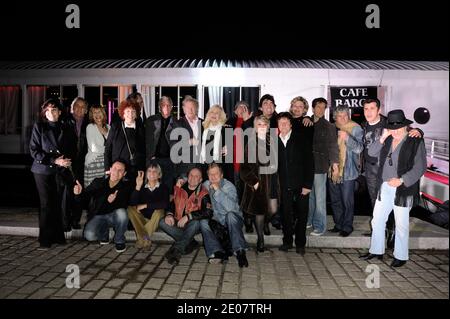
<point x="214" y="148"/>
<point x="259" y="174"/>
<point x="96" y="135"/>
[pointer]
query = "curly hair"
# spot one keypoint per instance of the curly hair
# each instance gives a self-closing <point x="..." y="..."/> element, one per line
<point x="300" y="99"/>
<point x="126" y="104"/>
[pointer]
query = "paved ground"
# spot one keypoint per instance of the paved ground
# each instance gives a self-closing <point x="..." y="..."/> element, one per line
<point x="26" y="272"/>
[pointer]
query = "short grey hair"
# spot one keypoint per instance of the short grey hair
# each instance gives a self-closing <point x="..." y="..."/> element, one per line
<point x="157" y="168"/>
<point x="340" y="109"/>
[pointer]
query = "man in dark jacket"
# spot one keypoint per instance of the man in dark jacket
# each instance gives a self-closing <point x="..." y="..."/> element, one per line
<point x="78" y="120"/>
<point x="325" y="151"/>
<point x="296" y="174"/>
<point x="157" y="144"/>
<point x="191" y="203"/>
<point x="109" y="199"/>
<point x="187" y="135"/>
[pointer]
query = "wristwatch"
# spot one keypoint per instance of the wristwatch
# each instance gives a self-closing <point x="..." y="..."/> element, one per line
<point x="401" y="180"/>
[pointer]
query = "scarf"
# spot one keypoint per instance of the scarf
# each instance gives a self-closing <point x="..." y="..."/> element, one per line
<point x="342" y="150"/>
<point x="217" y="149"/>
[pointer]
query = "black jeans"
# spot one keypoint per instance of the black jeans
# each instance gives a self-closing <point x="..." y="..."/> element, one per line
<point x="294" y="214"/>
<point x="50" y="191"/>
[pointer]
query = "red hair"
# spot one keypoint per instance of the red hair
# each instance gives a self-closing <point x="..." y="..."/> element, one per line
<point x="126" y="104"/>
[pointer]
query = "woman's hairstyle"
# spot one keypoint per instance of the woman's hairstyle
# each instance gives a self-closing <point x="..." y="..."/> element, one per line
<point x="222" y="116"/>
<point x="244" y="103"/>
<point x="300" y="99"/>
<point x="261" y="118"/>
<point x="95" y="108"/>
<point x="126" y="104"/>
<point x="49" y="102"/>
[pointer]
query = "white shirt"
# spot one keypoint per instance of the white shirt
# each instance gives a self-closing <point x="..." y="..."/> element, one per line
<point x="195" y="130"/>
<point x="151" y="188"/>
<point x="95" y="142"/>
<point x="286" y="138"/>
<point x="130" y="125"/>
<point x="194" y="127"/>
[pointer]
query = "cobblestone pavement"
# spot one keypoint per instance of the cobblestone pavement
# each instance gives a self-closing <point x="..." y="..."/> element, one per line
<point x="26" y="272"/>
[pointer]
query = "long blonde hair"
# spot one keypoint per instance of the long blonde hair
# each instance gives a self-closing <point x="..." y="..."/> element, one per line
<point x="222" y="117"/>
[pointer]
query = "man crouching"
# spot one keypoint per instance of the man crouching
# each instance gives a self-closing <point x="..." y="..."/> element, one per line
<point x="227" y="220"/>
<point x="191" y="203"/>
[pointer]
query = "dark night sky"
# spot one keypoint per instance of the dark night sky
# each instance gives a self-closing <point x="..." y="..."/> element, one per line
<point x="284" y="29"/>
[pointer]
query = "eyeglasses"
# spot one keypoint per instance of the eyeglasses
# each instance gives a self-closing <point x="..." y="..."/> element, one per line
<point x="390" y="158"/>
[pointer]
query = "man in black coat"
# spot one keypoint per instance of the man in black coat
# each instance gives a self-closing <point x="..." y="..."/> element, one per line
<point x="188" y="146"/>
<point x="157" y="146"/>
<point x="78" y="121"/>
<point x="296" y="174"/>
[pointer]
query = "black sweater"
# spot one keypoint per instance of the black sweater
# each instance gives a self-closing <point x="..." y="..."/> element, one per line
<point x="158" y="199"/>
<point x="97" y="195"/>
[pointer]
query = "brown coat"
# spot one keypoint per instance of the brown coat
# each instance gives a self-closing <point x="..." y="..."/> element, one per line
<point x="255" y="202"/>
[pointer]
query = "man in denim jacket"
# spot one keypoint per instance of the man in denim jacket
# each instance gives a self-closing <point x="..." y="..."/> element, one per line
<point x="342" y="182"/>
<point x="225" y="205"/>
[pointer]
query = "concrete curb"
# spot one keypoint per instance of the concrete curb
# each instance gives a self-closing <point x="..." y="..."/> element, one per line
<point x="355" y="240"/>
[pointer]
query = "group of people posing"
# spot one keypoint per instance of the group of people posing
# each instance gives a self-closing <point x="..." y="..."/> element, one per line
<point x="214" y="176"/>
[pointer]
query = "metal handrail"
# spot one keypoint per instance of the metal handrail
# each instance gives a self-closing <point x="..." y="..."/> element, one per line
<point x="437" y="148"/>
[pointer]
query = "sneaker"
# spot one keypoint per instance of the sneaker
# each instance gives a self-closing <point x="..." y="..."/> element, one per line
<point x="121" y="248"/>
<point x="104" y="242"/>
<point x="308" y="226"/>
<point x="316" y="233"/>
<point x="218" y="258"/>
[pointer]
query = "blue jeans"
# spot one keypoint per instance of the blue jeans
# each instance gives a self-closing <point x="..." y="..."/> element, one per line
<point x="98" y="227"/>
<point x="317" y="216"/>
<point x="342" y="202"/>
<point x="182" y="236"/>
<point x="234" y="224"/>
<point x="381" y="212"/>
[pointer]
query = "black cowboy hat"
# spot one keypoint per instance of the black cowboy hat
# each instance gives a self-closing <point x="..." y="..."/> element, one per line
<point x="396" y="119"/>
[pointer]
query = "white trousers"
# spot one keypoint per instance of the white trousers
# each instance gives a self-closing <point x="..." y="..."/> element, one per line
<point x="381" y="213"/>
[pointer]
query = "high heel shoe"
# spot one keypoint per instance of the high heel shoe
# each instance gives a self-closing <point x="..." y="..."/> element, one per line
<point x="260" y="246"/>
